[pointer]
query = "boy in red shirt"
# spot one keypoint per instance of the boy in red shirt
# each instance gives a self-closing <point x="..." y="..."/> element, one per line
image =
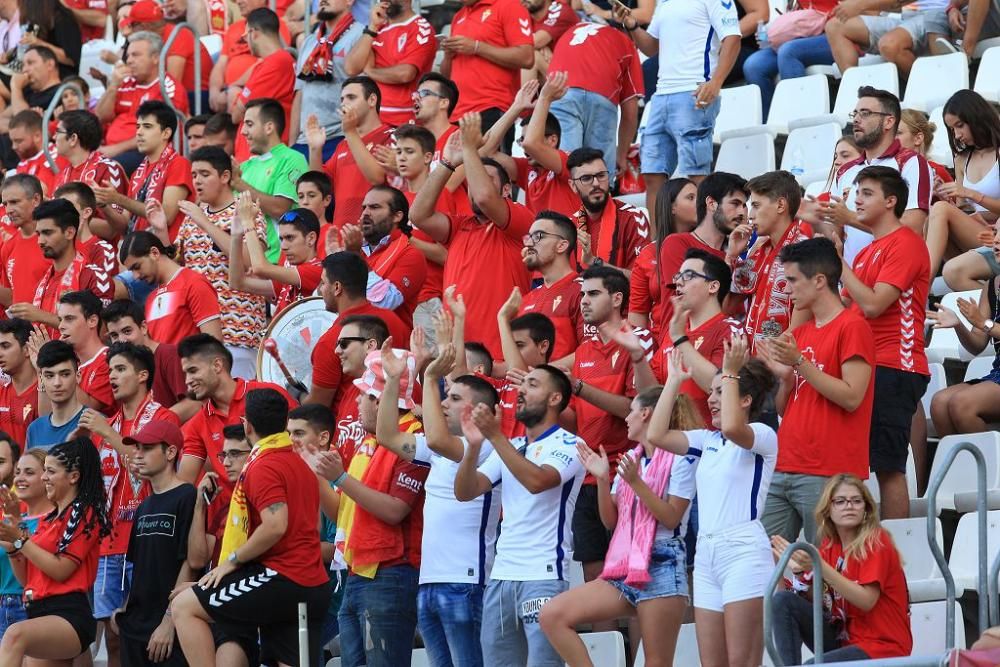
<point x="826" y="371"/>
<point x="95" y="250"/>
<point x="271" y="553"/>
<point x="19" y="389"/>
<point x="889" y="285"/>
<point x="79" y="325"/>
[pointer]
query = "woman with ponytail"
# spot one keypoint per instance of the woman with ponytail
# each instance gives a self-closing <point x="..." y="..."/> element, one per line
<point x="183" y="303"/>
<point x="645" y="571"/>
<point x="58" y="564"/>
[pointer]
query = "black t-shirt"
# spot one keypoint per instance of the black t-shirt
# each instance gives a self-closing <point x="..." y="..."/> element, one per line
<point x="65" y="34"/>
<point x="41" y="98"/>
<point x="157" y="549"/>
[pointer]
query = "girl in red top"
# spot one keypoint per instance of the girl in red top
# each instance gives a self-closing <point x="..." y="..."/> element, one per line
<point x="675" y="213"/>
<point x="58" y="564"/>
<point x="865" y="600"/>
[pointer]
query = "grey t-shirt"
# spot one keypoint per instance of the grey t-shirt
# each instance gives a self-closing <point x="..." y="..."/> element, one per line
<point x="323" y="97"/>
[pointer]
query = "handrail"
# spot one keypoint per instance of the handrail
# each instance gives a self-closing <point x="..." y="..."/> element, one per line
<point x="949" y="580"/>
<point x="817" y="601"/>
<point x="162" y="71"/>
<point x="992" y="589"/>
<point x="47" y="117"/>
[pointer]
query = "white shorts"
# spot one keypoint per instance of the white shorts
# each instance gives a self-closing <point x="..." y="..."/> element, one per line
<point x="732" y="565"/>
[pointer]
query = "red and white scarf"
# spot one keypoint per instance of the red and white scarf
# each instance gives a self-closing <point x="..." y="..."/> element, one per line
<point x="144" y="415"/>
<point x="317" y="65"/>
<point x="70" y="281"/>
<point x="151" y="174"/>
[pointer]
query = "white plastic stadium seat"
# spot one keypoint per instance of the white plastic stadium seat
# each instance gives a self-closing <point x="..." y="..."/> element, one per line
<point x="938" y="382"/>
<point x="882" y="75"/>
<point x="808" y="150"/>
<point x="687" y="647"/>
<point x="741" y="108"/>
<point x="934" y="79"/>
<point x="940" y="149"/>
<point x="944" y="342"/>
<point x="978" y="367"/>
<point x="605" y="648"/>
<point x="748" y="155"/>
<point x="419" y="658"/>
<point x="834" y="71"/>
<point x="984" y="45"/>
<point x="333" y="662"/>
<point x="988" y="78"/>
<point x="961" y="477"/>
<point x="213" y="43"/>
<point x="798" y="98"/>
<point x="910" y="536"/>
<point x="927" y="621"/>
<point x="575" y="574"/>
<point x="964" y="561"/>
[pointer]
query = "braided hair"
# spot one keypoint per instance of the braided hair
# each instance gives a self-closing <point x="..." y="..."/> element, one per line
<point x="89" y="509"/>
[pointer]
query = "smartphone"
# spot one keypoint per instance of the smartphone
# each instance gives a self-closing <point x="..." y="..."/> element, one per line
<point x="208" y="495"/>
<point x="620" y="4"/>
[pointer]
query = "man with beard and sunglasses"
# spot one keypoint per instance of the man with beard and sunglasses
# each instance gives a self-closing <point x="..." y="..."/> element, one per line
<point x="610" y="232"/>
<point x="396" y="48"/>
<point x="721" y="208"/>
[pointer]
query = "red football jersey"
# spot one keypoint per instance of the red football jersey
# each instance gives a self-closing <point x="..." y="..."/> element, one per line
<point x="546" y="190"/>
<point x="310" y="274"/>
<point x="617" y="74"/>
<point x="484" y="262"/>
<point x="809" y="418"/>
<point x="98" y="252"/>
<point x="183" y="47"/>
<point x="89" y="32"/>
<point x="237" y="51"/>
<point x="273" y="77"/>
<point x="645" y="295"/>
<point x="671" y="257"/>
<point x="97" y="168"/>
<point x="17" y="410"/>
<point x="177" y="309"/>
<point x="484" y="84"/>
<point x="630" y="236"/>
<point x="91" y="278"/>
<point x="899" y="259"/>
<point x="410" y="43"/>
<point x="349" y="185"/>
<point x="559" y="17"/>
<point x="560" y="302"/>
<point x="130" y="96"/>
<point x="38" y="166"/>
<point x="142" y="187"/>
<point x="81" y="549"/>
<point x="23" y="266"/>
<point x="95" y="380"/>
<point x="433" y="286"/>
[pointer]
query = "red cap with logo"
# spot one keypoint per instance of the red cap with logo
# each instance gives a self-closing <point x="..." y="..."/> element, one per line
<point x="144" y="11"/>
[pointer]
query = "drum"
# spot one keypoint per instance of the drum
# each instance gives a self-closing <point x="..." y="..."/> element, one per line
<point x="295" y="329"/>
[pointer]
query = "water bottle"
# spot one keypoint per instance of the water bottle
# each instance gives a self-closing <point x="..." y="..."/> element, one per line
<point x="762" y="34"/>
<point x="798" y="161"/>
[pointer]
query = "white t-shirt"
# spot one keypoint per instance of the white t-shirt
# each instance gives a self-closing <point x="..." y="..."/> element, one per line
<point x="536" y="536"/>
<point x="681" y="484"/>
<point x="690" y="32"/>
<point x="732" y="482"/>
<point x="917" y="173"/>
<point x="459" y="539"/>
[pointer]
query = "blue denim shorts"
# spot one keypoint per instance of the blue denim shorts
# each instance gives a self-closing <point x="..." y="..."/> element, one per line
<point x="678" y="136"/>
<point x="667" y="574"/>
<point x="11" y="611"/>
<point x="114" y="580"/>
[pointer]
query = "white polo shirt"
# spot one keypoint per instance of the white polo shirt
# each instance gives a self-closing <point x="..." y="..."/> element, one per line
<point x="732" y="482"/>
<point x="536" y="535"/>
<point x="690" y="33"/>
<point x="459" y="539"/>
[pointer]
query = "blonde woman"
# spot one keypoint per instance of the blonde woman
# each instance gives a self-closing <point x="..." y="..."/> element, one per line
<point x="866" y="602"/>
<point x="645" y="573"/>
<point x="916" y="132"/>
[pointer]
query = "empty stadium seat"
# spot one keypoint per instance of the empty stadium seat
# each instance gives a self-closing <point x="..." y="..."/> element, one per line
<point x="213" y="43"/>
<point x="687" y="647"/>
<point x="934" y="79"/>
<point x="882" y="75"/>
<point x="978" y="367"/>
<point x="748" y="155"/>
<point x="741" y="108"/>
<point x="937" y="382"/>
<point x="333" y="662"/>
<point x="419" y="658"/>
<point x="605" y="648"/>
<point x="984" y="45"/>
<point x="797" y="99"/>
<point x="927" y="622"/>
<point x="833" y="71"/>
<point x="809" y="150"/>
<point x="575" y="573"/>
<point x="964" y="561"/>
<point x="910" y="536"/>
<point x="961" y="477"/>
<point x="940" y="150"/>
<point x="944" y="342"/>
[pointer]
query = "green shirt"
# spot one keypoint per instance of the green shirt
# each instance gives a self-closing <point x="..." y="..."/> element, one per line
<point x="275" y="173"/>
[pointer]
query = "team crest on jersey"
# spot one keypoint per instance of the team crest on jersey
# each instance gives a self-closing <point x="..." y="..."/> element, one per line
<point x="401" y="42"/>
<point x="25" y="413"/>
<point x="614" y="358"/>
<point x="555" y="303"/>
<point x="697" y="343"/>
<point x="485" y="15"/>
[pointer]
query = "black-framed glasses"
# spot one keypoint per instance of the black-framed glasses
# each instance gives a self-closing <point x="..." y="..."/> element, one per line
<point x="60" y="130"/>
<point x="536" y="237"/>
<point x="427" y="92"/>
<point x="345" y="341"/>
<point x="587" y="179"/>
<point x="232" y="454"/>
<point x="865" y="114"/>
<point x="689" y="274"/>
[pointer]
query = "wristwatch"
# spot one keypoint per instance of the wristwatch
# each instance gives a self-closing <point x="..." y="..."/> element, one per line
<point x="233" y="559"/>
<point x="988" y="325"/>
<point x="19" y="544"/>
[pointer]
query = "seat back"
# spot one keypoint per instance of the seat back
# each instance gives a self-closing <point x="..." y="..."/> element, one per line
<point x="934" y="79"/>
<point x="809" y="151"/>
<point x="883" y="75"/>
<point x="741" y="107"/>
<point x="927" y="622"/>
<point x="944" y="342"/>
<point x="605" y="648"/>
<point x="910" y="536"/>
<point x="801" y="97"/>
<point x="747" y="156"/>
<point x="961" y="476"/>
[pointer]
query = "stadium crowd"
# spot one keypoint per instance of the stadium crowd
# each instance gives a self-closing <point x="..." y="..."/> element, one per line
<point x="666" y="395"/>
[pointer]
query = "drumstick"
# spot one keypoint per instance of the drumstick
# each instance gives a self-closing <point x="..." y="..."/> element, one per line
<point x="271" y="347"/>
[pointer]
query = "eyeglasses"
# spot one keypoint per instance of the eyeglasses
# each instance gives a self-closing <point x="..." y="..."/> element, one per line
<point x="536" y="237"/>
<point x="689" y="274"/>
<point x="426" y="92"/>
<point x="232" y="454"/>
<point x="840" y="502"/>
<point x="587" y="179"/>
<point x="865" y="114"/>
<point x="345" y="341"/>
<point x="60" y="130"/>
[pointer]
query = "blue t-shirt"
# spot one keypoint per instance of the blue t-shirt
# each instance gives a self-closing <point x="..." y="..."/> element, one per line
<point x="43" y="435"/>
<point x="9" y="585"/>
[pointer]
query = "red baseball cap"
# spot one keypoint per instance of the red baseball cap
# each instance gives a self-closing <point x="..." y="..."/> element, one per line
<point x="144" y="11"/>
<point x="156" y="432"/>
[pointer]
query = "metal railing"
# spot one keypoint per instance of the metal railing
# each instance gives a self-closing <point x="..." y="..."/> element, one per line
<point x="817" y="600"/>
<point x="47" y="117"/>
<point x="162" y="72"/>
<point x="936" y="551"/>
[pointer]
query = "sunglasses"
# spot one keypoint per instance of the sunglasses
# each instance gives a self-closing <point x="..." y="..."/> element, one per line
<point x="344" y="342"/>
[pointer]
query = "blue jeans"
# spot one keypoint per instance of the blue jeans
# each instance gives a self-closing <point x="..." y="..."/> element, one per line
<point x="111" y="588"/>
<point x="450" y="616"/>
<point x="793" y="618"/>
<point x="11" y="611"/>
<point x="587" y="119"/>
<point x="378" y="618"/>
<point x="790" y="62"/>
<point x="678" y="135"/>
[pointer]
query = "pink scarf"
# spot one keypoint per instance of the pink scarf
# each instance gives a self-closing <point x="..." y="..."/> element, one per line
<point x="632" y="542"/>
